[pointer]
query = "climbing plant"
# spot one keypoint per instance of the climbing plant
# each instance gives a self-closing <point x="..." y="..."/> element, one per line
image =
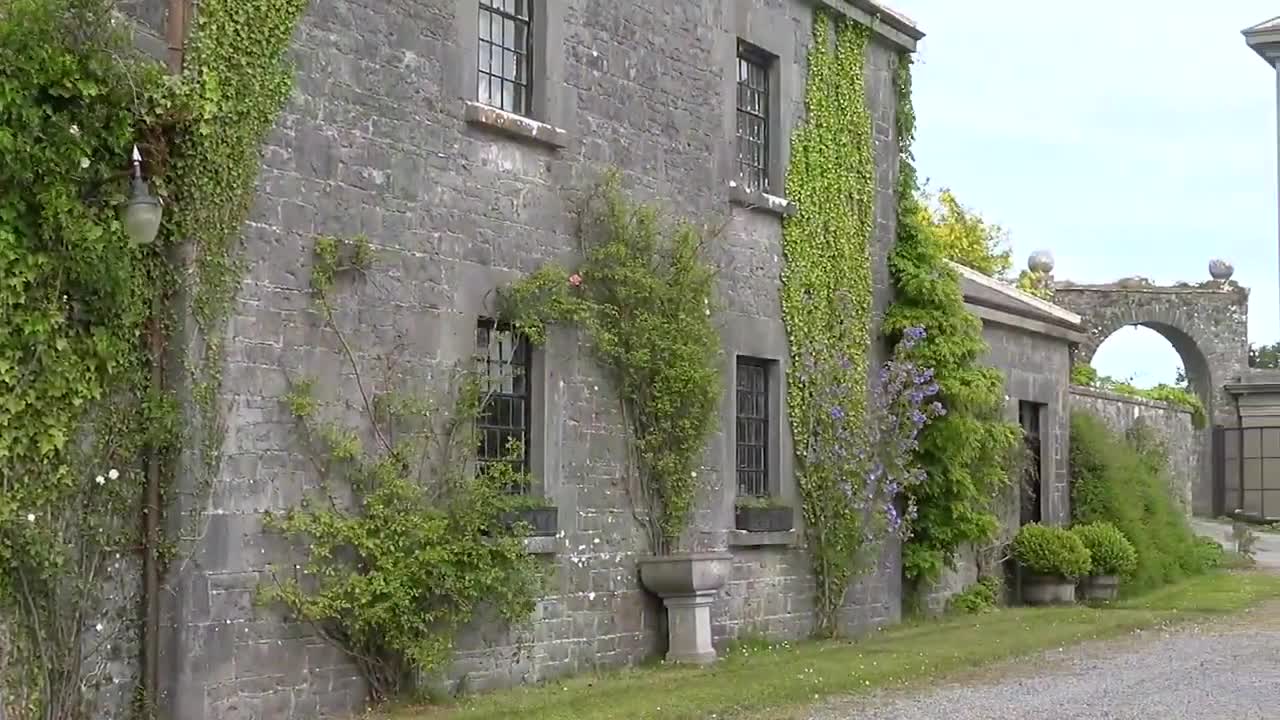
<point x="81" y="305"/>
<point x="967" y="453"/>
<point x="76" y="298"/>
<point x="235" y="81"/>
<point x="391" y="577"/>
<point x="643" y="296"/>
<point x="848" y="482"/>
<point x="1085" y="375"/>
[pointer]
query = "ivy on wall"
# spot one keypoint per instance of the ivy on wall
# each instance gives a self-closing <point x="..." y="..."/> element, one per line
<point x="643" y="296"/>
<point x="967" y="453"/>
<point x="235" y="82"/>
<point x="826" y="294"/>
<point x="78" y="409"/>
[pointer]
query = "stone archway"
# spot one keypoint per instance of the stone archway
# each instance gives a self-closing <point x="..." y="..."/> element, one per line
<point x="1207" y="324"/>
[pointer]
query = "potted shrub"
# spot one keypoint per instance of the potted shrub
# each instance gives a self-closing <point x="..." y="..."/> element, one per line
<point x="1051" y="559"/>
<point x="762" y="514"/>
<point x="1112" y="557"/>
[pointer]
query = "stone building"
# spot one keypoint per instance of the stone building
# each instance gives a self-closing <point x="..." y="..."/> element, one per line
<point x="454" y="134"/>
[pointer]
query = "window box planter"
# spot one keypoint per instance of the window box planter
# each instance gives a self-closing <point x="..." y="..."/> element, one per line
<point x="1099" y="588"/>
<point x="542" y="521"/>
<point x="775" y="518"/>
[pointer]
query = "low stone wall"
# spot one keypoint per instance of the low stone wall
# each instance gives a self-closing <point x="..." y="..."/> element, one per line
<point x="1173" y="425"/>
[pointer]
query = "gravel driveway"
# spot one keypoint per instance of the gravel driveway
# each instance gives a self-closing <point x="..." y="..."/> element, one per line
<point x="1228" y="671"/>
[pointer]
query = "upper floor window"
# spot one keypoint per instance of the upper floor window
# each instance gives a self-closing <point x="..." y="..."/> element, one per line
<point x="753" y="117"/>
<point x="506" y="55"/>
<point x="752" y="415"/>
<point x="504" y="358"/>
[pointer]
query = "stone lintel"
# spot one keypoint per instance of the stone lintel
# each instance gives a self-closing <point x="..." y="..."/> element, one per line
<point x="518" y="126"/>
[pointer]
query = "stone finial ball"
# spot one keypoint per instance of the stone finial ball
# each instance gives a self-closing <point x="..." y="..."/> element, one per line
<point x="1040" y="261"/>
<point x="1220" y="270"/>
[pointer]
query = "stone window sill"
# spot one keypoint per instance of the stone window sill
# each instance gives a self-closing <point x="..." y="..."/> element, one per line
<point x="513" y="125"/>
<point x="739" y="194"/>
<point x="744" y="539"/>
<point x="542" y="545"/>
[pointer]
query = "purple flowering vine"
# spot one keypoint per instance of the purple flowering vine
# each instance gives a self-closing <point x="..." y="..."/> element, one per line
<point x="867" y="447"/>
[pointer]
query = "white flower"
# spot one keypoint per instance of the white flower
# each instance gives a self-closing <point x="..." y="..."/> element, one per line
<point x="84" y="163"/>
<point x="693" y="474"/>
<point x="113" y="473"/>
<point x="75" y="131"/>
<point x="31" y="517"/>
<point x="100" y="480"/>
<point x="98" y="627"/>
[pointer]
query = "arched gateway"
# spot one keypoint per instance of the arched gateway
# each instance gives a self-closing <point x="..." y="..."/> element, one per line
<point x="1206" y="323"/>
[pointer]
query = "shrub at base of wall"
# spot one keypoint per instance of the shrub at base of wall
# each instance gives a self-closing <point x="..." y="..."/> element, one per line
<point x="1123" y="480"/>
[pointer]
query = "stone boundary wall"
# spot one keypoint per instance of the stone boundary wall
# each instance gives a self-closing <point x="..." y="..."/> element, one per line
<point x="1173" y="424"/>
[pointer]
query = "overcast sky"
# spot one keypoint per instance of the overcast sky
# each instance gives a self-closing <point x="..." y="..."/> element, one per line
<point x="1127" y="137"/>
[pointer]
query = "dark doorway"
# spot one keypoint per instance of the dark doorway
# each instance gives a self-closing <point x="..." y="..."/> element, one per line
<point x="1029" y="414"/>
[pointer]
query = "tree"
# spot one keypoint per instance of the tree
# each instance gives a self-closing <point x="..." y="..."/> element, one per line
<point x="1265" y="356"/>
<point x="965" y="237"/>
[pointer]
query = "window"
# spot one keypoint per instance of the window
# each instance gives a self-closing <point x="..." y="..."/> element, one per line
<point x="753" y="428"/>
<point x="753" y="117"/>
<point x="504" y="359"/>
<point x="506" y="54"/>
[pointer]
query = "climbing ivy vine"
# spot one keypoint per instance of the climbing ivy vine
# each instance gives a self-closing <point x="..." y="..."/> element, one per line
<point x="968" y="454"/>
<point x="826" y="294"/>
<point x="643" y="296"/>
<point x="78" y="407"/>
<point x="236" y="79"/>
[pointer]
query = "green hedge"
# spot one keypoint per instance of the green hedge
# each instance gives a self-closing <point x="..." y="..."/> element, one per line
<point x="1110" y="551"/>
<point x="1124" y="480"/>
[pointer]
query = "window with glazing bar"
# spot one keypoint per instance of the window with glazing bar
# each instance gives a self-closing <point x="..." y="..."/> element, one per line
<point x="753" y="428"/>
<point x="506" y="54"/>
<point x="504" y="359"/>
<point x="753" y="117"/>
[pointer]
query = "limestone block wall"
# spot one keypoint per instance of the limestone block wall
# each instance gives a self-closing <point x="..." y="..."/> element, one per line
<point x="377" y="140"/>
<point x="1184" y="442"/>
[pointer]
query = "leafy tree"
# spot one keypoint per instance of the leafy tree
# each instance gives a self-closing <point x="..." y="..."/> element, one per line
<point x="964" y="236"/>
<point x="1265" y="356"/>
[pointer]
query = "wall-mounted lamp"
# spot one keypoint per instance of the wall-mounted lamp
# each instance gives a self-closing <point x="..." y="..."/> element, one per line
<point x="142" y="212"/>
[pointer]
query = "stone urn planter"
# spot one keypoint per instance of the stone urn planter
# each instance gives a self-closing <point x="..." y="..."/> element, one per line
<point x="687" y="584"/>
<point x="1099" y="587"/>
<point x="1047" y="589"/>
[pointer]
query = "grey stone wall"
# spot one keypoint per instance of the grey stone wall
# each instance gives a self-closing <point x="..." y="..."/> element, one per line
<point x="1173" y="426"/>
<point x="1207" y="324"/>
<point x="376" y="140"/>
<point x="1036" y="368"/>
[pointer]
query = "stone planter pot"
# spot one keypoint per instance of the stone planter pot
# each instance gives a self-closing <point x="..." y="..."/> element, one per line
<point x="687" y="584"/>
<point x="1047" y="590"/>
<point x="542" y="521"/>
<point x="1099" y="587"/>
<point x="770" y="519"/>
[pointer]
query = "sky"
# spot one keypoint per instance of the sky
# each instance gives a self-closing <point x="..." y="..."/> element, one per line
<point x="1127" y="137"/>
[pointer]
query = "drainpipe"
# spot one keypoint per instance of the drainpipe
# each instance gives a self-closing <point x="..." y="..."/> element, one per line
<point x="175" y="36"/>
<point x="1239" y="456"/>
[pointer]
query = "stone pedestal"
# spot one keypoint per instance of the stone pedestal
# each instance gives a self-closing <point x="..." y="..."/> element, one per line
<point x="687" y="584"/>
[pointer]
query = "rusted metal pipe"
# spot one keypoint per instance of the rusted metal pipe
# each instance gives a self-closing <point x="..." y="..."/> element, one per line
<point x="176" y="33"/>
<point x="151" y="539"/>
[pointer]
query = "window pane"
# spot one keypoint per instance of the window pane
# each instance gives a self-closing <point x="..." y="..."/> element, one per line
<point x="503" y="363"/>
<point x="505" y="46"/>
<point x="753" y="120"/>
<point x="752" y="428"/>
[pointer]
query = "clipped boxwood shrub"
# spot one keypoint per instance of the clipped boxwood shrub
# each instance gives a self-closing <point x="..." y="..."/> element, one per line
<point x="1048" y="550"/>
<point x="1110" y="552"/>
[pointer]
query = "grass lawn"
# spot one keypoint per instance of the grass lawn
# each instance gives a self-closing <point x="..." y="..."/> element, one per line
<point x="772" y="681"/>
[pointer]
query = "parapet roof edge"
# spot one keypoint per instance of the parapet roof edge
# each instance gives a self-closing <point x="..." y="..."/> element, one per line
<point x="883" y="20"/>
<point x="1014" y="293"/>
